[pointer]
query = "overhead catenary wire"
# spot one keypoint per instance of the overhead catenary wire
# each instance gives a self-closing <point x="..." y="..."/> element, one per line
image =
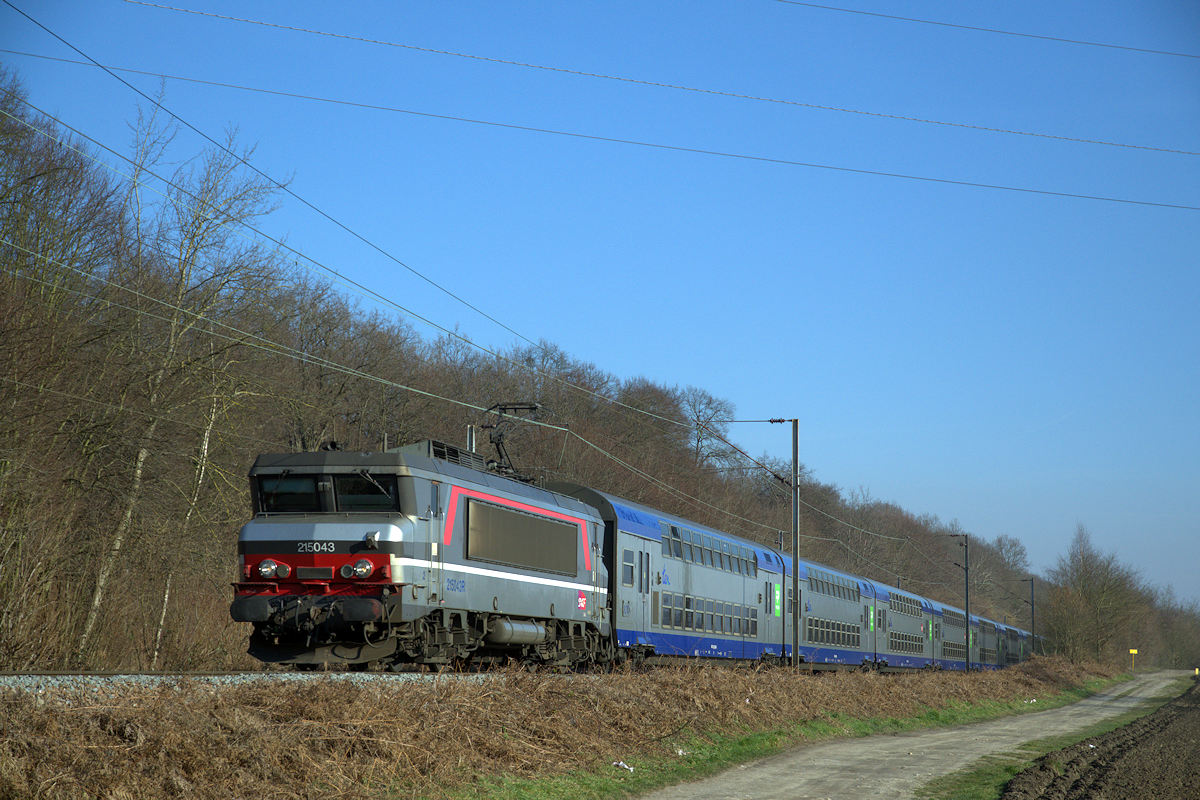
<point x="362" y="288"/>
<point x="669" y="147"/>
<point x="337" y="275"/>
<point x="162" y="418"/>
<point x="444" y="330"/>
<point x="276" y="348"/>
<point x="239" y="336"/>
<point x="982" y="29"/>
<point x="242" y="337"/>
<point x="242" y="224"/>
<point x="659" y="84"/>
<point x="342" y="278"/>
<point x="242" y="160"/>
<point x="281" y="186"/>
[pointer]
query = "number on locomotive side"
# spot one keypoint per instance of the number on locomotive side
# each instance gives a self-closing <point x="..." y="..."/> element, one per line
<point x="314" y="547"/>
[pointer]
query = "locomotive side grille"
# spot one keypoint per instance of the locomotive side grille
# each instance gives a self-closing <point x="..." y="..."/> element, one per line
<point x="430" y="448"/>
<point x="314" y="573"/>
<point x="464" y="458"/>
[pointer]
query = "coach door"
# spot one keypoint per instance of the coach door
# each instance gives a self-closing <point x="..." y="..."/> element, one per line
<point x="634" y="589"/>
<point x="642" y="587"/>
<point x="868" y="622"/>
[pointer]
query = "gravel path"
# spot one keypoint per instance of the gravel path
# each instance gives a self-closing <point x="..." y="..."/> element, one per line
<point x="894" y="766"/>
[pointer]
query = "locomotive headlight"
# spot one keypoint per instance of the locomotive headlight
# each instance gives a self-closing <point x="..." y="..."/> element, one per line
<point x="267" y="568"/>
<point x="282" y="570"/>
<point x="360" y="569"/>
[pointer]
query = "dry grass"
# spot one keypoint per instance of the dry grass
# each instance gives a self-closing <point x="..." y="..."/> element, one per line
<point x="338" y="739"/>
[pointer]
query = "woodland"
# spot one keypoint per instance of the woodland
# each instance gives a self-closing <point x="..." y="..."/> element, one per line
<point x="152" y="342"/>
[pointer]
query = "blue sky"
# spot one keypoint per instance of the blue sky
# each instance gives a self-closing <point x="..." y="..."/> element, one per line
<point x="1019" y="362"/>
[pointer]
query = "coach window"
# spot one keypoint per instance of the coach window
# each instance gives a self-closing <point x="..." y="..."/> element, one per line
<point x="688" y="619"/>
<point x="627" y="568"/>
<point x="687" y="545"/>
<point x="676" y="543"/>
<point x="666" y="609"/>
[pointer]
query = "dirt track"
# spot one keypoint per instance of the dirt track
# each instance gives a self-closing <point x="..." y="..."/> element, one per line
<point x="1153" y="758"/>
<point x="894" y="766"/>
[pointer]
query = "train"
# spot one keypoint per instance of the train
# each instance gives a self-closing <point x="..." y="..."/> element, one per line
<point x="422" y="557"/>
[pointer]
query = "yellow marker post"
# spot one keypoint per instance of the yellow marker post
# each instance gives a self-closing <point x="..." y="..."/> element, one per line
<point x="1132" y="659"/>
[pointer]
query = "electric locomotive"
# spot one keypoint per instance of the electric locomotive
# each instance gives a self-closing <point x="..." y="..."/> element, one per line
<point x="417" y="555"/>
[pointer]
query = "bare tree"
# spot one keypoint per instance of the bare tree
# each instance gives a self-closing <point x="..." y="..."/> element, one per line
<point x="709" y="418"/>
<point x="184" y="261"/>
<point x="1095" y="600"/>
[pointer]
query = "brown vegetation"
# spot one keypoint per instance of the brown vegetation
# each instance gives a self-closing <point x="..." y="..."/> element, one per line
<point x="151" y="344"/>
<point x="335" y="738"/>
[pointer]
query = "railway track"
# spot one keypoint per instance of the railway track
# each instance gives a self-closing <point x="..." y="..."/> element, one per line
<point x="62" y="682"/>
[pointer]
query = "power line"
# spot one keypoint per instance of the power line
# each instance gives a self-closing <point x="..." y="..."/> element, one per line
<point x="242" y="337"/>
<point x="281" y="186"/>
<point x="667" y="147"/>
<point x="276" y="348"/>
<point x="358" y="286"/>
<point x="665" y="486"/>
<point x="652" y="479"/>
<point x="985" y="30"/>
<point x="659" y="84"/>
<point x="338" y="276"/>
<point x="114" y="406"/>
<point x="91" y="61"/>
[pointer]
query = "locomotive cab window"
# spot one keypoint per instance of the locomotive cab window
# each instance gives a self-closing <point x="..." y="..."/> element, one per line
<point x="365" y="492"/>
<point x="288" y="493"/>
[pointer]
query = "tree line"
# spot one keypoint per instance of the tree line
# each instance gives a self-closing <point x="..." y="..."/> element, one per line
<point x="151" y="344"/>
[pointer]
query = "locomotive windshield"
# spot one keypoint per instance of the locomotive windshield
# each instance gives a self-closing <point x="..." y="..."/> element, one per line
<point x="301" y="494"/>
<point x="365" y="492"/>
<point x="289" y="493"/>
